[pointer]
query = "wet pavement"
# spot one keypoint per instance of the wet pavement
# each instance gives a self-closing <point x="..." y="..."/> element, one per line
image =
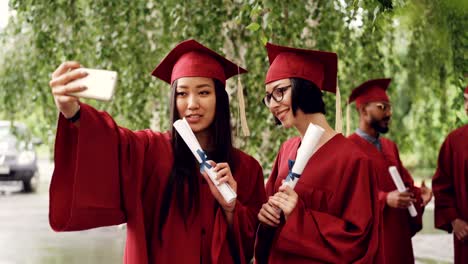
<point x="431" y="245"/>
<point x="26" y="237"/>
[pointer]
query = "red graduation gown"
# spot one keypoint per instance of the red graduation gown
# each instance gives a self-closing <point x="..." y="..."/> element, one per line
<point x="398" y="225"/>
<point x="335" y="220"/>
<point x="107" y="175"/>
<point x="450" y="186"/>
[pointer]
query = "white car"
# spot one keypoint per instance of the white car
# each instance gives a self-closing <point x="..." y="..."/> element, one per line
<point x="18" y="159"/>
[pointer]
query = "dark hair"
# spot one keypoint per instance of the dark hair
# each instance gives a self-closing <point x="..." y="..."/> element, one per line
<point x="305" y="95"/>
<point x="184" y="170"/>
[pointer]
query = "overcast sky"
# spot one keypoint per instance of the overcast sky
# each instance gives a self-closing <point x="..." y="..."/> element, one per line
<point x="3" y="13"/>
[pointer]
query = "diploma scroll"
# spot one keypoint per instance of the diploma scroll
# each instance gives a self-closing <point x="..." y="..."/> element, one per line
<point x="306" y="150"/>
<point x="401" y="187"/>
<point x="184" y="130"/>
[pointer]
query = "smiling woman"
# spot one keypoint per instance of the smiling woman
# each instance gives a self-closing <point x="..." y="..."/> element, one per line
<point x="318" y="221"/>
<point x="196" y="101"/>
<point x="151" y="180"/>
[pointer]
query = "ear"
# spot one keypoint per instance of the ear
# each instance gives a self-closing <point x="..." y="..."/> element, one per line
<point x="362" y="110"/>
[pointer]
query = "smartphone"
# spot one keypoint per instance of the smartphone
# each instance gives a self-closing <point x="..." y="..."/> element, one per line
<point x="101" y="84"/>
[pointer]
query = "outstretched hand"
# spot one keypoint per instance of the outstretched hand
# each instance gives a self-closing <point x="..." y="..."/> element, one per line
<point x="426" y="194"/>
<point x="61" y="88"/>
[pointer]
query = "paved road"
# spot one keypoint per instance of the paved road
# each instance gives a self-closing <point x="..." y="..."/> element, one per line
<point x="25" y="235"/>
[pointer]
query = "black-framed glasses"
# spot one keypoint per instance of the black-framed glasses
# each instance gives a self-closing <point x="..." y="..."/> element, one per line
<point x="384" y="107"/>
<point x="277" y="95"/>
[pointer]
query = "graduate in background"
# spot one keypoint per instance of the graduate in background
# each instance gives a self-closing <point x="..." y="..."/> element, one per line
<point x="450" y="184"/>
<point x="332" y="215"/>
<point x="107" y="175"/>
<point x="375" y="112"/>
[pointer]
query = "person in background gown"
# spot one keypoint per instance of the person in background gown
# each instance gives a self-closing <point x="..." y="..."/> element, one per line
<point x="107" y="175"/>
<point x="375" y="112"/>
<point x="332" y="214"/>
<point x="450" y="185"/>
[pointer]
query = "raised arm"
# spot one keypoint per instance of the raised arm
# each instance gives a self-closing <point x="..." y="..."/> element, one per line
<point x="99" y="166"/>
<point x="61" y="86"/>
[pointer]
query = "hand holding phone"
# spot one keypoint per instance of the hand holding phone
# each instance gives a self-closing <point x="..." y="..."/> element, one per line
<point x="100" y="84"/>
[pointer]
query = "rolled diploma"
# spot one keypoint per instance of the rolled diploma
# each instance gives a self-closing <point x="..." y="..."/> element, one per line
<point x="305" y="151"/>
<point x="401" y="187"/>
<point x="184" y="130"/>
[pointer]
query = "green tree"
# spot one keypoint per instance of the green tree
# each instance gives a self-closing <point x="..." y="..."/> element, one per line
<point x="421" y="44"/>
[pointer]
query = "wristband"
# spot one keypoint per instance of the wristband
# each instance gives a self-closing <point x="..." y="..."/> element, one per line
<point x="75" y="117"/>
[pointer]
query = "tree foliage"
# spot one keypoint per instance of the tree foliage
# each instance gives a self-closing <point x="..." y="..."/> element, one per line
<point x="421" y="44"/>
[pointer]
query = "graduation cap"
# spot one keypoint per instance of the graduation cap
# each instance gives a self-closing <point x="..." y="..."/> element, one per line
<point x="370" y="91"/>
<point x="189" y="58"/>
<point x="318" y="67"/>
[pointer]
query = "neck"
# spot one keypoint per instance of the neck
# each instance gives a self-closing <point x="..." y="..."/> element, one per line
<point x="203" y="138"/>
<point x="319" y="119"/>
<point x="368" y="129"/>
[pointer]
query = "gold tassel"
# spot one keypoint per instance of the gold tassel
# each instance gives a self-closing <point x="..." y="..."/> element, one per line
<point x="338" y="114"/>
<point x="348" y="119"/>
<point x="240" y="96"/>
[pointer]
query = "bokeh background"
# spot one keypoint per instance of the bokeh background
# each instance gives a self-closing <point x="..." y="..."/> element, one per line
<point x="421" y="44"/>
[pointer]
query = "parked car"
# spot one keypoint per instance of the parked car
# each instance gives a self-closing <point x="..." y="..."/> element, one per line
<point x="18" y="158"/>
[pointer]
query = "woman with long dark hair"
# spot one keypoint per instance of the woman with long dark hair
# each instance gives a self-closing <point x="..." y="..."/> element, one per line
<point x="106" y="175"/>
<point x="332" y="214"/>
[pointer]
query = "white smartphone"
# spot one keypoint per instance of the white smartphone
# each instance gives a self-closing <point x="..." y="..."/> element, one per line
<point x="101" y="84"/>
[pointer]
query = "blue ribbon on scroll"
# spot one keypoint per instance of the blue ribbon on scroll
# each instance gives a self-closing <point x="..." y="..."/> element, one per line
<point x="204" y="160"/>
<point x="291" y="175"/>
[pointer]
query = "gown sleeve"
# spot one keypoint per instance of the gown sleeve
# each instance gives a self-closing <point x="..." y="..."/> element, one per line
<point x="444" y="189"/>
<point x="251" y="196"/>
<point x="265" y="234"/>
<point x="350" y="237"/>
<point x="98" y="168"/>
<point x="416" y="223"/>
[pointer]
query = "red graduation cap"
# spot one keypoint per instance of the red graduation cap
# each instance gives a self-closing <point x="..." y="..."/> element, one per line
<point x="370" y="91"/>
<point x="191" y="59"/>
<point x="316" y="66"/>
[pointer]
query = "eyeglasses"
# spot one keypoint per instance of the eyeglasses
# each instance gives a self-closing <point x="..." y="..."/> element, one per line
<point x="384" y="107"/>
<point x="277" y="95"/>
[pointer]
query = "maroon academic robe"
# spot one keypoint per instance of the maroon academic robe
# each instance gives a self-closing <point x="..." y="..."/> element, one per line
<point x="450" y="186"/>
<point x="108" y="175"/>
<point x="398" y="225"/>
<point x="336" y="218"/>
